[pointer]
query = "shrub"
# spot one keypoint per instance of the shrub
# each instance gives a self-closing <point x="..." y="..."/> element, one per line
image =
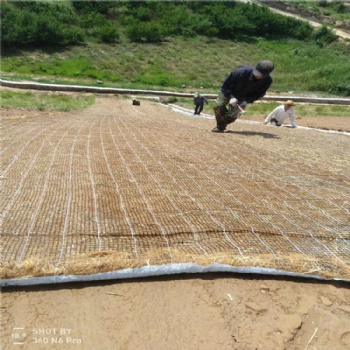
<point x="324" y="36"/>
<point x="72" y="35"/>
<point x="172" y="99"/>
<point x="86" y="7"/>
<point x="36" y="24"/>
<point x="144" y="32"/>
<point x="108" y="34"/>
<point x="341" y="89"/>
<point x="91" y="20"/>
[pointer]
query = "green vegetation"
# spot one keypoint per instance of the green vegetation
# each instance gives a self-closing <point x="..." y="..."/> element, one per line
<point x="42" y="101"/>
<point x="165" y="45"/>
<point x="60" y="23"/>
<point x="335" y="9"/>
<point x="196" y="62"/>
<point x="305" y="110"/>
<point x="38" y="23"/>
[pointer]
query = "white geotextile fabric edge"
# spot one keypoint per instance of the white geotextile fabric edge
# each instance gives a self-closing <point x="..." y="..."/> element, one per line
<point x="189" y="113"/>
<point x="157" y="270"/>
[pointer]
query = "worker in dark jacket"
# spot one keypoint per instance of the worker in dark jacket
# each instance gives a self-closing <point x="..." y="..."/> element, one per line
<point x="198" y="101"/>
<point x="244" y="85"/>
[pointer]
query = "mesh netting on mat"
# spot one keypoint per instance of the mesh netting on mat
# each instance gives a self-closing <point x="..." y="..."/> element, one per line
<point x="119" y="186"/>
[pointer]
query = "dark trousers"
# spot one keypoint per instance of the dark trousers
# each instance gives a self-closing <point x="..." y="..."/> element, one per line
<point x="274" y="121"/>
<point x="198" y="109"/>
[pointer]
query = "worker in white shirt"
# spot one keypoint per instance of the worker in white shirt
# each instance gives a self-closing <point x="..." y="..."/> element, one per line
<point x="280" y="113"/>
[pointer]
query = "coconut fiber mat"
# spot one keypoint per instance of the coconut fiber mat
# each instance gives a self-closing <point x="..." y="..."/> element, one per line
<point x="120" y="186"/>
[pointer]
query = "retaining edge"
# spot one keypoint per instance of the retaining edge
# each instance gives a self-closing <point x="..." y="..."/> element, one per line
<point x="158" y="270"/>
<point x="107" y="90"/>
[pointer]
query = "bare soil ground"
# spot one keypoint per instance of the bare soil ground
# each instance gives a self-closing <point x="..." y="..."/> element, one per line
<point x="211" y="311"/>
<point x="202" y="312"/>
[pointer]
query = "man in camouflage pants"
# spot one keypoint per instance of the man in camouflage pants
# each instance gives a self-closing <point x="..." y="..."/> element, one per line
<point x="244" y="85"/>
<point x="224" y="115"/>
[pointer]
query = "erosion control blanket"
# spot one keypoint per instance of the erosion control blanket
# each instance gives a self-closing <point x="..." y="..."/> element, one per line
<point x="119" y="186"/>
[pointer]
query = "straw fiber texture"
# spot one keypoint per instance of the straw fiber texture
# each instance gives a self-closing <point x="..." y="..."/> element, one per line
<point x="120" y="186"/>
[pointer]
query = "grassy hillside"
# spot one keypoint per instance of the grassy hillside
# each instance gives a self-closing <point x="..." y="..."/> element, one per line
<point x="158" y="45"/>
<point x="44" y="101"/>
<point x="198" y="62"/>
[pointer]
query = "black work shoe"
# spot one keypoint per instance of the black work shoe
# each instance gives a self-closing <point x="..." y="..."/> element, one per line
<point x="218" y="130"/>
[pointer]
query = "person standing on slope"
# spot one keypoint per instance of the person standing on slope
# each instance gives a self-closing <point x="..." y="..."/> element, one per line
<point x="198" y="101"/>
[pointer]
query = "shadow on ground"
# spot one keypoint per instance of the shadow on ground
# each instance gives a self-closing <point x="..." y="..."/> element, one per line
<point x="254" y="133"/>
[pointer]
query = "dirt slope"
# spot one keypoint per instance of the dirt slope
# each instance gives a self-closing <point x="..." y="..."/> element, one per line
<point x="200" y="312"/>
